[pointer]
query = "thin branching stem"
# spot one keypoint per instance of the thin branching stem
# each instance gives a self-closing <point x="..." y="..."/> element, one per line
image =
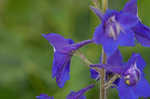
<point x="87" y="61"/>
<point x="96" y="4"/>
<point x="83" y="57"/>
<point x="110" y="82"/>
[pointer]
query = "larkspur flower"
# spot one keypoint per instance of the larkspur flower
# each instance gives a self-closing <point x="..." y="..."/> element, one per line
<point x="120" y="28"/>
<point x="79" y="94"/>
<point x="44" y="96"/>
<point x="142" y="32"/>
<point x="132" y="84"/>
<point x="63" y="52"/>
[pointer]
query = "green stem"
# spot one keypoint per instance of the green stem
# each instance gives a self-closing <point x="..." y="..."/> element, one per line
<point x="104" y="5"/>
<point x="96" y="4"/>
<point x="103" y="93"/>
<point x="86" y="61"/>
<point x="102" y="80"/>
<point x="110" y="82"/>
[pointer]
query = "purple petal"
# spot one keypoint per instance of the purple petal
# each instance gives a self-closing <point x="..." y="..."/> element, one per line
<point x="56" y="40"/>
<point x="142" y="89"/>
<point x="127" y="20"/>
<point x="63" y="75"/>
<point x="136" y="58"/>
<point x="131" y="7"/>
<point x="114" y="63"/>
<point x="110" y="68"/>
<point x="97" y="12"/>
<point x="70" y="41"/>
<point x="109" y="13"/>
<point x="72" y="95"/>
<point x="125" y="92"/>
<point x="99" y="34"/>
<point x="44" y="96"/>
<point x="142" y="34"/>
<point x="79" y="94"/>
<point x="126" y="38"/>
<point x="100" y="37"/>
<point x="115" y="59"/>
<point x="94" y="74"/>
<point x="82" y="97"/>
<point x="61" y="68"/>
<point x="116" y="82"/>
<point x="81" y="44"/>
<point x="110" y="46"/>
<point x="58" y="60"/>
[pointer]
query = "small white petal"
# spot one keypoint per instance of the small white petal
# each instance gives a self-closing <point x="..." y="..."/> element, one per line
<point x="54" y="49"/>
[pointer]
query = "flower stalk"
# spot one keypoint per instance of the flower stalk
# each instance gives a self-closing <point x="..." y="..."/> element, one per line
<point x="109" y="83"/>
<point x="87" y="61"/>
<point x="103" y="93"/>
<point x="102" y="80"/>
<point x="104" y="5"/>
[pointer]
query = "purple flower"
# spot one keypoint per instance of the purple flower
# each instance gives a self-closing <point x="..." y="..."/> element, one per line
<point x="132" y="84"/>
<point x="44" y="96"/>
<point x="63" y="51"/>
<point x="120" y="28"/>
<point x="142" y="32"/>
<point x="79" y="94"/>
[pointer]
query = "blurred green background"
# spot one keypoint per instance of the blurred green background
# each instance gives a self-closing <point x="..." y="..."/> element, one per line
<point x="26" y="57"/>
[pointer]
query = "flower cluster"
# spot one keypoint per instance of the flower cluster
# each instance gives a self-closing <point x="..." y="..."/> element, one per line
<point x="117" y="28"/>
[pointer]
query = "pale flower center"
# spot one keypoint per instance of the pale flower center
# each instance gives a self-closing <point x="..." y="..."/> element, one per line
<point x="132" y="75"/>
<point x="113" y="28"/>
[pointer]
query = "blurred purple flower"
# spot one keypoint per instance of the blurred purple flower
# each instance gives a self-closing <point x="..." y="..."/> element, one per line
<point x="132" y="83"/>
<point x="79" y="94"/>
<point x="120" y="28"/>
<point x="63" y="51"/>
<point x="44" y="96"/>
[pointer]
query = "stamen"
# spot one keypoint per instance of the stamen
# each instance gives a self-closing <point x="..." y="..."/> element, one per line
<point x="54" y="49"/>
<point x="113" y="19"/>
<point x="118" y="28"/>
<point x="114" y="28"/>
<point x="112" y="33"/>
<point x="127" y="77"/>
<point x="127" y="82"/>
<point x="132" y="75"/>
